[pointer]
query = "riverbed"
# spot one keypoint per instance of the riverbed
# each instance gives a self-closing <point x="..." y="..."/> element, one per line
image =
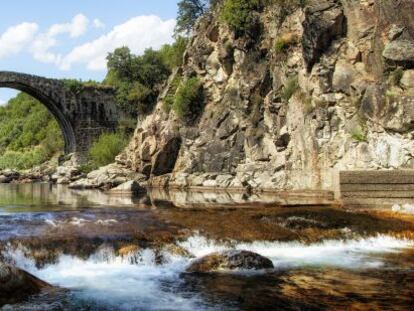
<point x="106" y="252"/>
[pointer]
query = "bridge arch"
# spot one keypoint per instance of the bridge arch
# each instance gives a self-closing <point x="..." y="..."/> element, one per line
<point x="82" y="114"/>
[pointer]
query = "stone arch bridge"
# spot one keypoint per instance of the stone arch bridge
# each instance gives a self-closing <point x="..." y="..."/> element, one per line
<point x="83" y="112"/>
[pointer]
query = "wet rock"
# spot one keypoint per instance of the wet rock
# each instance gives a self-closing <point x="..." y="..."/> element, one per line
<point x="16" y="285"/>
<point x="230" y="260"/>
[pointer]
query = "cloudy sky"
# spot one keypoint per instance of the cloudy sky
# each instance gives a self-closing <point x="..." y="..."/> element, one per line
<point x="71" y="38"/>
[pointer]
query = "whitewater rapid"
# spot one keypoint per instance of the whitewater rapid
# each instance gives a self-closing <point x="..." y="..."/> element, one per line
<point x="137" y="282"/>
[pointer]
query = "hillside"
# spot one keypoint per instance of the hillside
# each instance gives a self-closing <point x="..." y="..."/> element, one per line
<point x="29" y="134"/>
<point x="282" y="94"/>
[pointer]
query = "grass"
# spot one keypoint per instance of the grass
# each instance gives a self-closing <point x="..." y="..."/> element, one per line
<point x="285" y="41"/>
<point x="290" y="88"/>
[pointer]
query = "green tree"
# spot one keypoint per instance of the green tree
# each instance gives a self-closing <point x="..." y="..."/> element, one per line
<point x="120" y="61"/>
<point x="240" y="14"/>
<point x="188" y="13"/>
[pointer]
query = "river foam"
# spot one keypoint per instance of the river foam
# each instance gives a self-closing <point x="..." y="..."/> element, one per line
<point x="107" y="280"/>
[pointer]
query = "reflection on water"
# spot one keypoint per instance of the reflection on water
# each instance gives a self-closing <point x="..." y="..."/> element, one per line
<point x="49" y="197"/>
<point x="122" y="253"/>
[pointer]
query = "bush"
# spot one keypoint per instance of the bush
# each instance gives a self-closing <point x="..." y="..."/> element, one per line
<point x="284" y="42"/>
<point x="168" y="101"/>
<point x="290" y="88"/>
<point x="189" y="99"/>
<point x="23" y="160"/>
<point x="106" y="148"/>
<point x="240" y="15"/>
<point x="359" y="135"/>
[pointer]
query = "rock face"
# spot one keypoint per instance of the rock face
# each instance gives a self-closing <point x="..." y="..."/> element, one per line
<point x="16" y="285"/>
<point x="337" y="96"/>
<point x="230" y="260"/>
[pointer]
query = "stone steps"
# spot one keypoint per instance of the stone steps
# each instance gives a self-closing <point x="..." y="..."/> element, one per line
<point x="377" y="189"/>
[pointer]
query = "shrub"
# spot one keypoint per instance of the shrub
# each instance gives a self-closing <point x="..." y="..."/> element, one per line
<point x="359" y="135"/>
<point x="168" y="101"/>
<point x="240" y="15"/>
<point x="188" y="101"/>
<point x="23" y="159"/>
<point x="106" y="148"/>
<point x="290" y="88"/>
<point x="284" y="42"/>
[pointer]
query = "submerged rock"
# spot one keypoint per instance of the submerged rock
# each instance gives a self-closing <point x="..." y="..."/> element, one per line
<point x="230" y="260"/>
<point x="16" y="284"/>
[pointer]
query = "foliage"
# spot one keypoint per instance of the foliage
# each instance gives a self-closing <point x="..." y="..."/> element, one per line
<point x="170" y="97"/>
<point x="359" y="135"/>
<point x="138" y="79"/>
<point x="189" y="99"/>
<point x="172" y="55"/>
<point x="290" y="88"/>
<point x="188" y="13"/>
<point x="240" y="14"/>
<point x="29" y="134"/>
<point x="285" y="41"/>
<point x="76" y="86"/>
<point x="106" y="148"/>
<point x="23" y="159"/>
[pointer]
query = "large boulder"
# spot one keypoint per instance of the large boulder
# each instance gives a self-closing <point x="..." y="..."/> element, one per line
<point x="400" y="52"/>
<point x="230" y="260"/>
<point x="16" y="285"/>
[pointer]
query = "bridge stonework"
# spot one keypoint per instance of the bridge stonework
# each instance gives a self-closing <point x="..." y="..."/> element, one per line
<point x="83" y="114"/>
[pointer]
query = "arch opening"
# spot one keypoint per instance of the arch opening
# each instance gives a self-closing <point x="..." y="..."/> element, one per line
<point x="53" y="107"/>
<point x="31" y="134"/>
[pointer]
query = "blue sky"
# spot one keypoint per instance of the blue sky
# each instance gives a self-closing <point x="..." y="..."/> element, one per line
<point x="70" y="38"/>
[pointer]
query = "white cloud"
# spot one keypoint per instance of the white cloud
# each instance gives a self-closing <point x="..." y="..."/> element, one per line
<point x="2" y="102"/>
<point x="45" y="41"/>
<point x="76" y="28"/>
<point x="138" y="34"/>
<point x="16" y="38"/>
<point x="98" y="24"/>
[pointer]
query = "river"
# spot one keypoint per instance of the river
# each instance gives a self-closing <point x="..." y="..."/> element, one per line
<point x="120" y="253"/>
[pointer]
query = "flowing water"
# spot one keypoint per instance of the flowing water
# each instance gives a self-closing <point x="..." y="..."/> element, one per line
<point x="123" y="253"/>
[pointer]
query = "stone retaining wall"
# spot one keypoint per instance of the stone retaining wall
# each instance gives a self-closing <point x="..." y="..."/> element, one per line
<point x="377" y="188"/>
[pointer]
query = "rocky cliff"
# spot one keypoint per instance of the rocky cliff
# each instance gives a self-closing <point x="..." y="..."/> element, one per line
<point x="313" y="90"/>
